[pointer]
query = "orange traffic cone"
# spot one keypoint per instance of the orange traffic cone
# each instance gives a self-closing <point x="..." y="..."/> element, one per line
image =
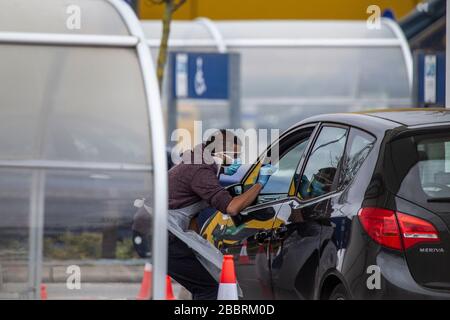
<point x="44" y="292"/>
<point x="169" y="290"/>
<point x="243" y="256"/>
<point x="145" y="293"/>
<point x="228" y="285"/>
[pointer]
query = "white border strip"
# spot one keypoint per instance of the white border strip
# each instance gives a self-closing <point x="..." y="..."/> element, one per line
<point x="74" y="165"/>
<point x="67" y="39"/>
<point x="258" y="43"/>
<point x="405" y="48"/>
<point x="158" y="135"/>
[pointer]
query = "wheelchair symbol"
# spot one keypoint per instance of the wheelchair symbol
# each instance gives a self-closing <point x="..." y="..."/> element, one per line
<point x="200" y="83"/>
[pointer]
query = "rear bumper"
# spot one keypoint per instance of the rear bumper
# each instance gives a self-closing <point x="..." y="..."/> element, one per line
<point x="396" y="282"/>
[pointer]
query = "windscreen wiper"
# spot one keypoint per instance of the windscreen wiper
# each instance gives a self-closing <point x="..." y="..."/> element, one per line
<point x="443" y="199"/>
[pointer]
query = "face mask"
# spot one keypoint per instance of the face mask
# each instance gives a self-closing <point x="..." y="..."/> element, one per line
<point x="317" y="188"/>
<point x="229" y="156"/>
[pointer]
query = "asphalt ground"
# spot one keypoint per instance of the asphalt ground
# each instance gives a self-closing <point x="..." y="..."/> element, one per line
<point x="88" y="291"/>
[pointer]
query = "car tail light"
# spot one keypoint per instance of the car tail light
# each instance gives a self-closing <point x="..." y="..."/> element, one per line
<point x="415" y="230"/>
<point x="396" y="230"/>
<point x="381" y="225"/>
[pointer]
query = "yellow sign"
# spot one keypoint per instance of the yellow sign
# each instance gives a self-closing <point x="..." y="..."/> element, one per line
<point x="280" y="9"/>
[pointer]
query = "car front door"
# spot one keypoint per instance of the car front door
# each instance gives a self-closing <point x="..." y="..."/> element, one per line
<point x="295" y="244"/>
<point x="247" y="235"/>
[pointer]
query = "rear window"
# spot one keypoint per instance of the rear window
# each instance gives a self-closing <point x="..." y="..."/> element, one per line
<point x="417" y="168"/>
<point x="434" y="166"/>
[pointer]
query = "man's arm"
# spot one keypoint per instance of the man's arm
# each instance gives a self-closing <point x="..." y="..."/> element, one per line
<point x="242" y="201"/>
<point x="206" y="185"/>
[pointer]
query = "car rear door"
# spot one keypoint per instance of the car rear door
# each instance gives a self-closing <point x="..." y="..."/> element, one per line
<point x="295" y="245"/>
<point x="421" y="184"/>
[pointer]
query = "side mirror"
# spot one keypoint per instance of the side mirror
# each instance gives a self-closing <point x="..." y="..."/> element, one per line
<point x="238" y="189"/>
<point x="235" y="189"/>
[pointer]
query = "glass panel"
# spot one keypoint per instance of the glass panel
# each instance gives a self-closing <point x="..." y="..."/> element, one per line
<point x="214" y="114"/>
<point x="58" y="16"/>
<point x="301" y="30"/>
<point x="323" y="162"/>
<point x="434" y="166"/>
<point x="14" y="233"/>
<point x="358" y="148"/>
<point x="281" y="180"/>
<point x="72" y="103"/>
<point x="275" y="97"/>
<point x="343" y="72"/>
<point x="328" y="80"/>
<point x="88" y="224"/>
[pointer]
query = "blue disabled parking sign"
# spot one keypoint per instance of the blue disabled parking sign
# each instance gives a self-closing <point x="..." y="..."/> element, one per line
<point x="204" y="76"/>
<point x="200" y="75"/>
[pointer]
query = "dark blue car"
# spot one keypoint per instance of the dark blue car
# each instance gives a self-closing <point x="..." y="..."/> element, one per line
<point x="359" y="209"/>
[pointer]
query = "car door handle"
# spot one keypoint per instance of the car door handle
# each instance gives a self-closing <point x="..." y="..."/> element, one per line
<point x="269" y="198"/>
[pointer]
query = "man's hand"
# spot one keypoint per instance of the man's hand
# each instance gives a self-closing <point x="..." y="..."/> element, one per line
<point x="244" y="200"/>
<point x="265" y="173"/>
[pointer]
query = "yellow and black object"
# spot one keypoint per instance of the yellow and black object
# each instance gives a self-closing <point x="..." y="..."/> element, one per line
<point x="224" y="231"/>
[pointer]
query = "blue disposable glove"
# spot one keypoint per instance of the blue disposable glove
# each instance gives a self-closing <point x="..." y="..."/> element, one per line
<point x="264" y="174"/>
<point x="232" y="168"/>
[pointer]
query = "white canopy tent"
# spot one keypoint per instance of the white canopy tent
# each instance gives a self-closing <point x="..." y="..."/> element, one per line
<point x="294" y="69"/>
<point x="81" y="137"/>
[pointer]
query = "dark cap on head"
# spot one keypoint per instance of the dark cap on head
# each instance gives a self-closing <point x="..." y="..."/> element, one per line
<point x="222" y="140"/>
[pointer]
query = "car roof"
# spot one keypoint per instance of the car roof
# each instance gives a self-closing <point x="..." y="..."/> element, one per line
<point x="384" y="119"/>
<point x="412" y="117"/>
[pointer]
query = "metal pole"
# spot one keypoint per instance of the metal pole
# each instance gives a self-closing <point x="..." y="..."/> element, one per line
<point x="235" y="90"/>
<point x="36" y="233"/>
<point x="171" y="99"/>
<point x="157" y="131"/>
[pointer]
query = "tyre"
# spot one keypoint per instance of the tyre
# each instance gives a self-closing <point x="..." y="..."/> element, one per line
<point x="339" y="293"/>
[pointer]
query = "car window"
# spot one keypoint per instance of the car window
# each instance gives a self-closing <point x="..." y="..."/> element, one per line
<point x="434" y="166"/>
<point x="358" y="147"/>
<point x="322" y="164"/>
<point x="418" y="167"/>
<point x="281" y="180"/>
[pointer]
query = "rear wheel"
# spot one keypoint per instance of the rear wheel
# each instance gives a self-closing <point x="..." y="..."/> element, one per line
<point x="339" y="293"/>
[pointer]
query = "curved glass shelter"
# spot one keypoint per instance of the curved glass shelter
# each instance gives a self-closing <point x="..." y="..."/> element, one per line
<point x="81" y="131"/>
<point x="294" y="69"/>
